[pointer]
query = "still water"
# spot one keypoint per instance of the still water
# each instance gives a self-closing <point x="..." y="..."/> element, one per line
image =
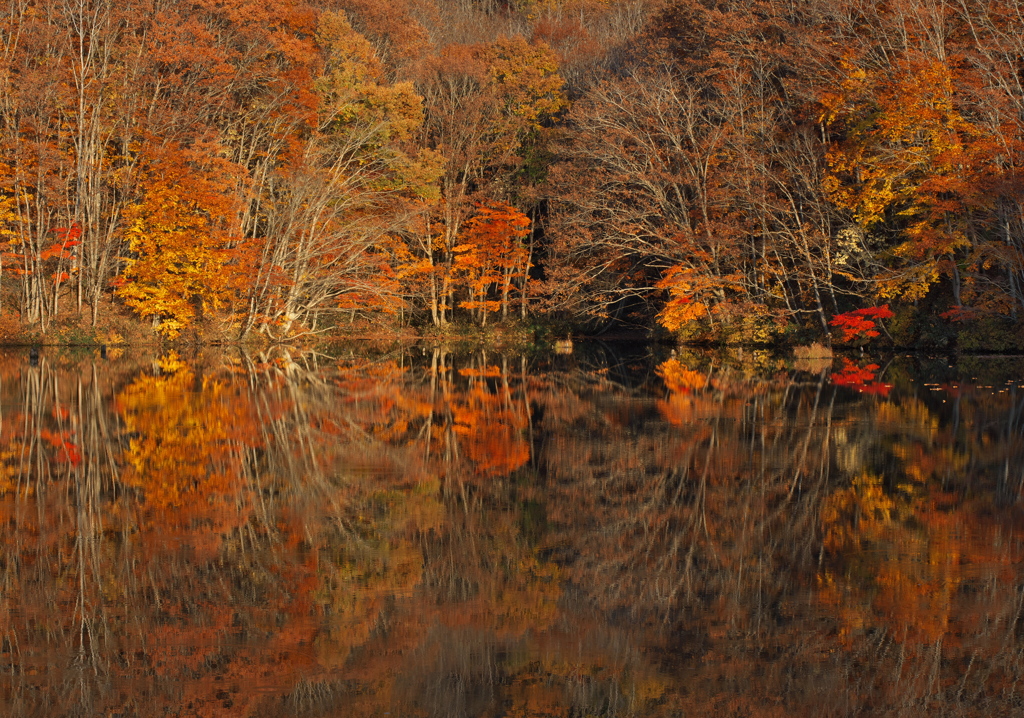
<point x="423" y="533"/>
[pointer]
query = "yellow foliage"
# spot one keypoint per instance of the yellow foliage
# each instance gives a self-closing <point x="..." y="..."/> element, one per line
<point x="527" y="76"/>
<point x="914" y="558"/>
<point x="909" y="156"/>
<point x="7" y="216"/>
<point x="178" y="234"/>
<point x="379" y="119"/>
<point x="182" y="458"/>
<point x="679" y="311"/>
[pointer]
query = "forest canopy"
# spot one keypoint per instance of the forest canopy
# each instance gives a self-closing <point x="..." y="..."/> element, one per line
<point x="732" y="171"/>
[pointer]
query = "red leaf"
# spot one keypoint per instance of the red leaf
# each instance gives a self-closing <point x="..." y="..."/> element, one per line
<point x="861" y="379"/>
<point x="69" y="234"/>
<point x="860" y="322"/>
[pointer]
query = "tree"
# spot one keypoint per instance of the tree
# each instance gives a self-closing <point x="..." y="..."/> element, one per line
<point x="353" y="184"/>
<point x="485" y="105"/>
<point x="696" y="154"/>
<point x="180" y="234"/>
<point x="492" y="255"/>
<point x="860" y="323"/>
<point x="912" y="170"/>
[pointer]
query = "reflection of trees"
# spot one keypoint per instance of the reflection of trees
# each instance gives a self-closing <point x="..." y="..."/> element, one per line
<point x="694" y="494"/>
<point x="924" y="547"/>
<point x="59" y="450"/>
<point x="132" y="553"/>
<point x="698" y="519"/>
<point x="214" y="525"/>
<point x="732" y="517"/>
<point x="469" y="535"/>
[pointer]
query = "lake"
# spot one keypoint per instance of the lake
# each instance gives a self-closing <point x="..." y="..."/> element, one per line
<point x="619" y="531"/>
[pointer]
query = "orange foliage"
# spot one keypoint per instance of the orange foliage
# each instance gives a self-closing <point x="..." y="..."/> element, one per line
<point x="492" y="256"/>
<point x="180" y="234"/>
<point x="183" y="460"/>
<point x="695" y="295"/>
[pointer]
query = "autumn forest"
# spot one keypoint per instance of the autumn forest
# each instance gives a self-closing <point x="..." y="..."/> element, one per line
<point x="726" y="171"/>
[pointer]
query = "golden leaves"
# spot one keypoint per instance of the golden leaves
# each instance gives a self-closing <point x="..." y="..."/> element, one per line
<point x="909" y="161"/>
<point x="182" y="458"/>
<point x="526" y="75"/>
<point x="694" y="296"/>
<point x="179" y="234"/>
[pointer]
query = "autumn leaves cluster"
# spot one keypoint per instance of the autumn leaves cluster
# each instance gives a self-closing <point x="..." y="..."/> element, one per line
<point x="263" y="162"/>
<point x="737" y="170"/>
<point x="773" y="165"/>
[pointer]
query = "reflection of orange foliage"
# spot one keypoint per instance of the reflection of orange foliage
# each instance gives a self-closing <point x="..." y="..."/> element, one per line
<point x="913" y="559"/>
<point x="491" y="431"/>
<point x="860" y="378"/>
<point x="682" y="409"/>
<point x="686" y="404"/>
<point x="908" y="551"/>
<point x="488" y="371"/>
<point x="184" y="457"/>
<point x="678" y="409"/>
<point x="680" y="378"/>
<point x="66" y="450"/>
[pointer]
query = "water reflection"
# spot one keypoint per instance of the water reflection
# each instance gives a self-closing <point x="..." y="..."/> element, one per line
<point x="423" y="534"/>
